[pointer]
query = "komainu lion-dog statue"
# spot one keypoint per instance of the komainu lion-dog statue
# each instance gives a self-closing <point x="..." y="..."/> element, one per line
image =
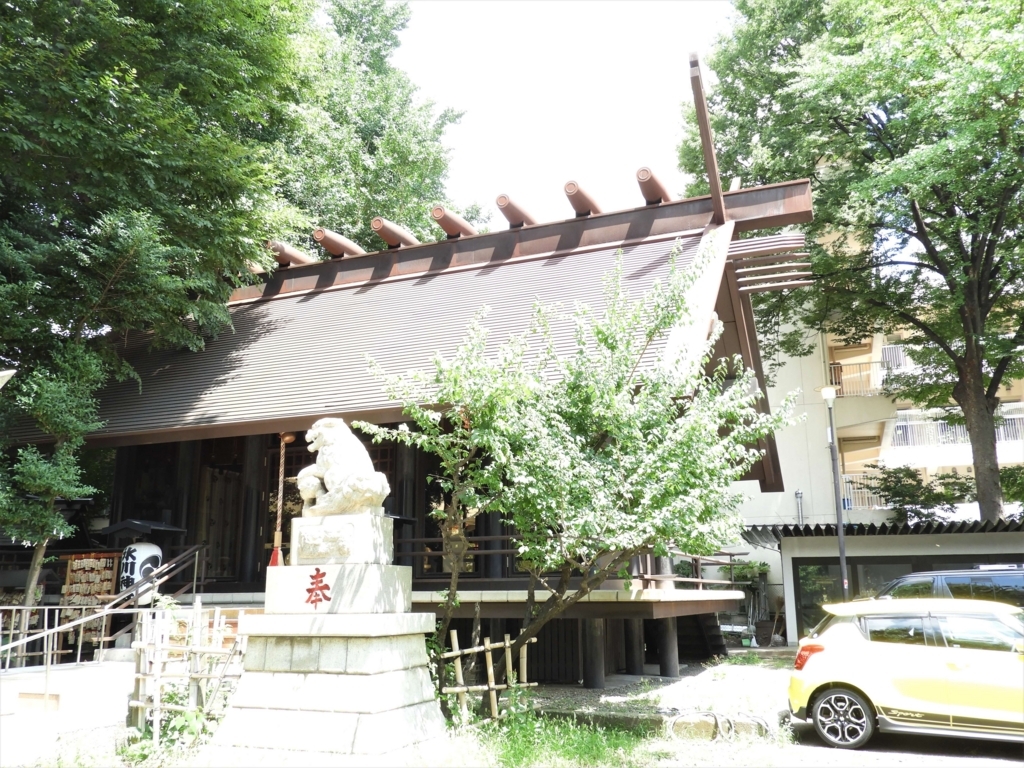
<point x="343" y="481"/>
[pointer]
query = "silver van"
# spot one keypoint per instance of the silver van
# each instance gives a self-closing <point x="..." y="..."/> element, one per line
<point x="1000" y="583"/>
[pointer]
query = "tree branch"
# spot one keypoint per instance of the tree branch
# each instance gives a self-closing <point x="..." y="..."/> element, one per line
<point x="929" y="247"/>
<point x="1004" y="363"/>
<point x="921" y="326"/>
<point x="987" y="271"/>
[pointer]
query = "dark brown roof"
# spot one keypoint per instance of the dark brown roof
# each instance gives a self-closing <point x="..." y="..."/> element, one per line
<point x="303" y="356"/>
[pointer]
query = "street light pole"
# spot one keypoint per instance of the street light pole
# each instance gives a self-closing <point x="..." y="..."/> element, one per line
<point x="828" y="394"/>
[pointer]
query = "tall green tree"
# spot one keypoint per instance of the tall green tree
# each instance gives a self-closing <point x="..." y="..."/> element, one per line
<point x="360" y="145"/>
<point x="906" y="115"/>
<point x="149" y="149"/>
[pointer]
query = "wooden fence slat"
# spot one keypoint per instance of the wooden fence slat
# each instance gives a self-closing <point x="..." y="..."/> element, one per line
<point x="491" y="687"/>
<point x="490" y="678"/>
<point x="463" y="706"/>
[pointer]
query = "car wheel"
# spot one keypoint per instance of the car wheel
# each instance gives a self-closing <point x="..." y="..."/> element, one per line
<point x="844" y="719"/>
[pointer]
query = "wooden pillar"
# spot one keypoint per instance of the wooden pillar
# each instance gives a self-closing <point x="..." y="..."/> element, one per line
<point x="122" y="499"/>
<point x="251" y="564"/>
<point x="668" y="648"/>
<point x="183" y="478"/>
<point x="668" y="636"/>
<point x="493" y="628"/>
<point x="492" y="527"/>
<point x="593" y="653"/>
<point x="405" y="503"/>
<point x="634" y="629"/>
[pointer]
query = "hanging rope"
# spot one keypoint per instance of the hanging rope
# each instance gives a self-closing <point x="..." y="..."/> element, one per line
<point x="275" y="556"/>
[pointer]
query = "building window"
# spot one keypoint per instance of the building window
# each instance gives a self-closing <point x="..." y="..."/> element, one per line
<point x="871" y="577"/>
<point x="817" y="585"/>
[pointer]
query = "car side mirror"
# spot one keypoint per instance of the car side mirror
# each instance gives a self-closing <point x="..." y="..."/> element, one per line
<point x="1018" y="647"/>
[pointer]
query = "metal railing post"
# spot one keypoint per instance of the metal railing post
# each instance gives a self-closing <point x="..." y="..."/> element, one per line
<point x="81" y="636"/>
<point x="46" y="657"/>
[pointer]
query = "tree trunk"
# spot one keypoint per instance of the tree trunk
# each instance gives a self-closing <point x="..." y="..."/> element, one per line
<point x="454" y="547"/>
<point x="979" y="417"/>
<point x="30" y="591"/>
<point x="557" y="604"/>
<point x="33" y="573"/>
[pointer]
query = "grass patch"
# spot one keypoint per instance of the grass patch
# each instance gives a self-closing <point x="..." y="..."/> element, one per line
<point x="526" y="739"/>
<point x="750" y="659"/>
<point x="737" y="659"/>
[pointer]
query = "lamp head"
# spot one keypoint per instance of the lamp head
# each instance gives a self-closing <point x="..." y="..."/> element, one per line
<point x="828" y="394"/>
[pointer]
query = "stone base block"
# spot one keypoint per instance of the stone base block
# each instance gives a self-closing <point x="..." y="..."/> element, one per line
<point x="319" y="692"/>
<point x="339" y="589"/>
<point x="342" y="539"/>
<point x="343" y="733"/>
<point x="337" y="625"/>
<point x="335" y="655"/>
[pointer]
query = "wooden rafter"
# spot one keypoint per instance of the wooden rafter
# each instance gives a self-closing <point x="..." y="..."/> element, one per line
<point x="765" y="287"/>
<point x="770" y="268"/>
<point x="772" y="278"/>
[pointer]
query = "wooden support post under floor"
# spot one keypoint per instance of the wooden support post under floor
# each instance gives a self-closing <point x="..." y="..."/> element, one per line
<point x="668" y="635"/>
<point x="668" y="648"/>
<point x="593" y="653"/>
<point x="634" y="629"/>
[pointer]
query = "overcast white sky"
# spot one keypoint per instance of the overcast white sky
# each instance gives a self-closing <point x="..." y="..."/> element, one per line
<point x="588" y="90"/>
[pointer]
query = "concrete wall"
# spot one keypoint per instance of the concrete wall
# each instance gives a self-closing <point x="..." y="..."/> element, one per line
<point x="804" y="456"/>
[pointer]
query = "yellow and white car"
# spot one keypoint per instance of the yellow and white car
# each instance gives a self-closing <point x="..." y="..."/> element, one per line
<point x="930" y="666"/>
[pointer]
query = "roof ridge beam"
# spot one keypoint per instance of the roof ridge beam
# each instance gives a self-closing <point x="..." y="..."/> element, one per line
<point x="707" y="141"/>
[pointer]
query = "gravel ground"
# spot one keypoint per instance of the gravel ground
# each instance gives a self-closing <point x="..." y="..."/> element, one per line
<point x="760" y="690"/>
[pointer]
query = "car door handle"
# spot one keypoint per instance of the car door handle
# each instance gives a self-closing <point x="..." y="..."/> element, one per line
<point x="956" y="667"/>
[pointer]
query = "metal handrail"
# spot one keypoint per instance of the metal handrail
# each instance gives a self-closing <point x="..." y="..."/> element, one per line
<point x="156" y="578"/>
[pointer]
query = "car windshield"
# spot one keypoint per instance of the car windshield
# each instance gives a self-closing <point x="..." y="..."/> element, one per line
<point x="1016" y="620"/>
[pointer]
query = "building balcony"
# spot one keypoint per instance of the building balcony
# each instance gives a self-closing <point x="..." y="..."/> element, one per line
<point x="867" y="379"/>
<point x="914" y="428"/>
<point x="855" y="496"/>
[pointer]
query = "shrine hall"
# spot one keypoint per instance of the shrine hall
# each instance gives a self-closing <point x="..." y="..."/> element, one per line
<point x="199" y="441"/>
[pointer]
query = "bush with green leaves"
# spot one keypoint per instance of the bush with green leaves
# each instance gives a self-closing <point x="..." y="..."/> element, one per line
<point x="911" y="499"/>
<point x="743" y="570"/>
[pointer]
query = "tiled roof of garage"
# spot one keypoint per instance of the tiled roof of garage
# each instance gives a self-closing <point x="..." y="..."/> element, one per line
<point x="771" y="535"/>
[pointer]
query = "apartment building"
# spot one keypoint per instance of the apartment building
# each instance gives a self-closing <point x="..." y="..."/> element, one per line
<point x="794" y="531"/>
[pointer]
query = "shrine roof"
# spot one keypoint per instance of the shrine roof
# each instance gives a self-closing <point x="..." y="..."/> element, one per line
<point x="300" y="342"/>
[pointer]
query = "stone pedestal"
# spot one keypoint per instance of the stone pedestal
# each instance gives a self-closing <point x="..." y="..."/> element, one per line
<point x="347" y="674"/>
<point x="352" y="684"/>
<point x="336" y="665"/>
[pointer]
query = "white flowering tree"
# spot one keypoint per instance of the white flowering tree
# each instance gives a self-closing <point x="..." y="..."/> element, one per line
<point x="625" y="444"/>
